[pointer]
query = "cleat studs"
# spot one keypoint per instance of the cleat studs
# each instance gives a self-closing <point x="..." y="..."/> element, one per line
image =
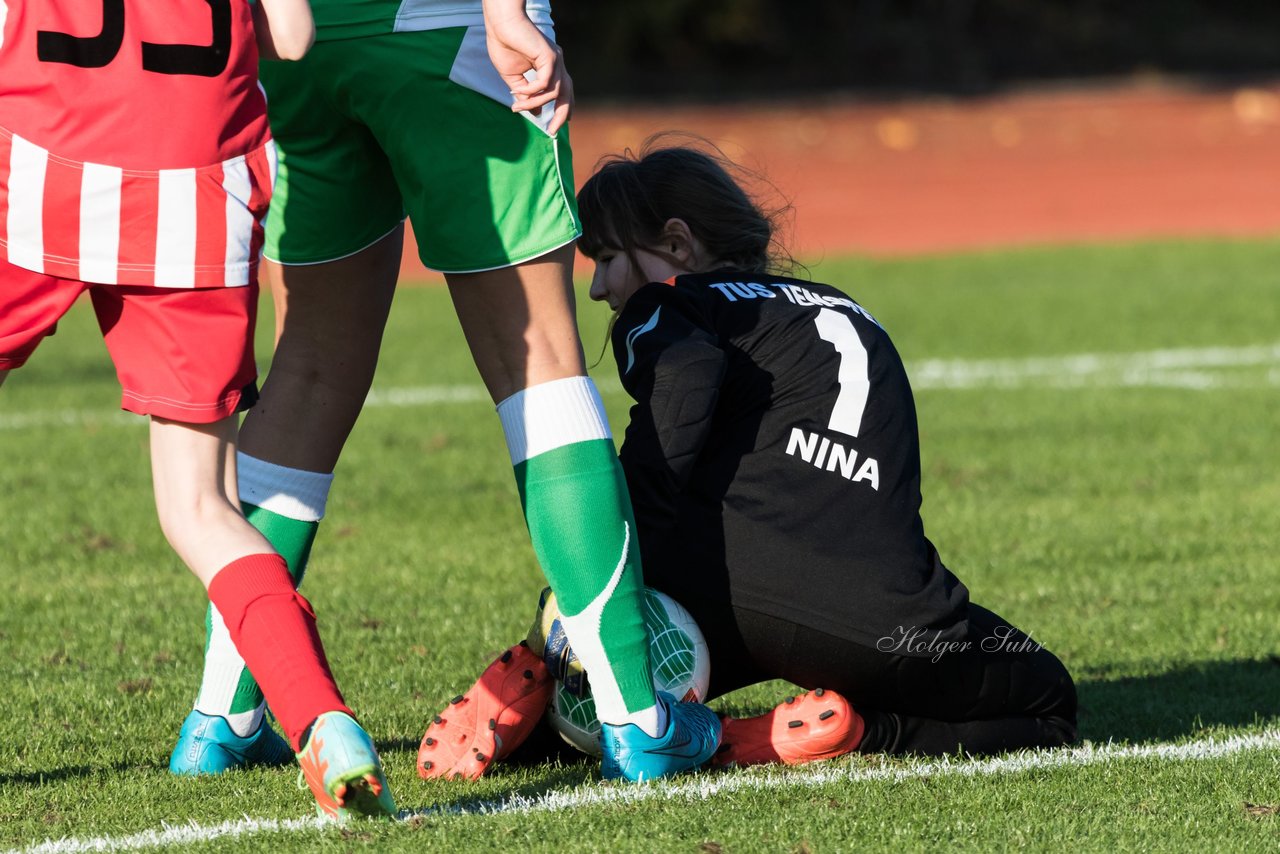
<point x="528" y="674"/>
<point x="818" y="692"/>
<point x="790" y="700"/>
<point x="828" y="713"/>
<point x="506" y="656"/>
<point x="429" y="742"/>
<point x="426" y="765"/>
<point x="436" y="719"/>
<point x="794" y="724"/>
<point x="493" y="724"/>
<point x="480" y="757"/>
<point x="456" y="700"/>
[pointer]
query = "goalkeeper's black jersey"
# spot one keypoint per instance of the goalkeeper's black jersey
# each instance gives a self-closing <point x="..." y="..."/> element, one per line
<point x="773" y="458"/>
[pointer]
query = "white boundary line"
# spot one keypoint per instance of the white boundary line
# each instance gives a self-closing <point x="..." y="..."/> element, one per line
<point x="1195" y="369"/>
<point x="701" y="788"/>
<point x="1189" y="369"/>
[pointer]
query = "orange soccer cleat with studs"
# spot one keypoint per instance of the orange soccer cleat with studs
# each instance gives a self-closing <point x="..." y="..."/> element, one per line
<point x="816" y="725"/>
<point x="490" y="720"/>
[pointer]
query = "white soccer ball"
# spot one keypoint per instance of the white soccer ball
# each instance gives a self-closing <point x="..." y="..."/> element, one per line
<point x="677" y="652"/>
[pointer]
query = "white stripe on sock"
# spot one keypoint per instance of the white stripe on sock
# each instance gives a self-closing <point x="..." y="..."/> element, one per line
<point x="292" y="493"/>
<point x="222" y="668"/>
<point x="552" y="415"/>
<point x="583" y="631"/>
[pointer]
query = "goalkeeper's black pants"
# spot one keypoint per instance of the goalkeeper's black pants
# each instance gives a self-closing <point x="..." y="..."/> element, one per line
<point x="1002" y="692"/>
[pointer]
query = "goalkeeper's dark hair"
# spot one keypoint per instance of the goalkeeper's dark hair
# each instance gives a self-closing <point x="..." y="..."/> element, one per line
<point x="632" y="195"/>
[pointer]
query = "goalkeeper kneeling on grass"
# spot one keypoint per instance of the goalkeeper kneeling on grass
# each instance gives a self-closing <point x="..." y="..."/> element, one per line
<point x="773" y="462"/>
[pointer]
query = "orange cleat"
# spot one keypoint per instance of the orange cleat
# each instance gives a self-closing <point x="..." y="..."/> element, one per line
<point x="489" y="721"/>
<point x="817" y="725"/>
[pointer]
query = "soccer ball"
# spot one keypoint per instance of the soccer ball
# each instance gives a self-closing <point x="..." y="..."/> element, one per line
<point x="677" y="652"/>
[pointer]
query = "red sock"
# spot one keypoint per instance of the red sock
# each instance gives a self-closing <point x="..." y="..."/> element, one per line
<point x="274" y="629"/>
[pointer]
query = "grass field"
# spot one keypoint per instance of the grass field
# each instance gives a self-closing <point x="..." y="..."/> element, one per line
<point x="1098" y="430"/>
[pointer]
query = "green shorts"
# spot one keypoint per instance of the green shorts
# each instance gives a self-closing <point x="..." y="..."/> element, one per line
<point x="372" y="129"/>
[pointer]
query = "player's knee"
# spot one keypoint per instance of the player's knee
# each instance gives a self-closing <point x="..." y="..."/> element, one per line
<point x="190" y="516"/>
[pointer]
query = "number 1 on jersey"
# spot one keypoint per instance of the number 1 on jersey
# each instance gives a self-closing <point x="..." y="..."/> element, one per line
<point x="855" y="385"/>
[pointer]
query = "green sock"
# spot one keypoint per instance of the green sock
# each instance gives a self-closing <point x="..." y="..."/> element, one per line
<point x="583" y="531"/>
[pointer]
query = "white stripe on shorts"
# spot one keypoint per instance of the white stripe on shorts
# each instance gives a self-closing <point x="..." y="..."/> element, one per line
<point x="176" y="229"/>
<point x="100" y="223"/>
<point x="27" y="166"/>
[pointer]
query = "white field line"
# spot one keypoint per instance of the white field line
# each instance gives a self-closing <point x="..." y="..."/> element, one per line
<point x="703" y="787"/>
<point x="1203" y="368"/>
<point x="1191" y="369"/>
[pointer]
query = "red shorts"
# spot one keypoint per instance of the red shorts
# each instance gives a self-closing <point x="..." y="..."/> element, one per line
<point x="181" y="354"/>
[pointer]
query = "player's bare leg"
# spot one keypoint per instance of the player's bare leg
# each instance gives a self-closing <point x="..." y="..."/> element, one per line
<point x="194" y="474"/>
<point x="327" y="345"/>
<point x="520" y="323"/>
<point x="193" y="469"/>
<point x="522" y="329"/>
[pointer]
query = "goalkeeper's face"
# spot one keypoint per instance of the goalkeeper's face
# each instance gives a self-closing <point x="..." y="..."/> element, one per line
<point x="621" y="272"/>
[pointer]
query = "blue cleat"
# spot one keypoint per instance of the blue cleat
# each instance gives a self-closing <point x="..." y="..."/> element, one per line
<point x="692" y="737"/>
<point x="208" y="745"/>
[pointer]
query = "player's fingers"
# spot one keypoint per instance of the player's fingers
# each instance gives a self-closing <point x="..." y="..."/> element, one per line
<point x="522" y="87"/>
<point x="558" y="117"/>
<point x="533" y="105"/>
<point x="546" y="68"/>
<point x="516" y="83"/>
<point x="564" y="105"/>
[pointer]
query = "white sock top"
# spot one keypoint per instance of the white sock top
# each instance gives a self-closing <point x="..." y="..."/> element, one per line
<point x="551" y="415"/>
<point x="292" y="493"/>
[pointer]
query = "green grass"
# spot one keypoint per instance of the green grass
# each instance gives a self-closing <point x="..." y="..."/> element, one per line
<point x="1131" y="529"/>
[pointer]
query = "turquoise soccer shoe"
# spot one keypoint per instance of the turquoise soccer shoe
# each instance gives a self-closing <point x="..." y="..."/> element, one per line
<point x="341" y="766"/>
<point x="207" y="745"/>
<point x="692" y="737"/>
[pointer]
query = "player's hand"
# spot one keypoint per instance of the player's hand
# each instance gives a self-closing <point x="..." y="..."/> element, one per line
<point x="531" y="65"/>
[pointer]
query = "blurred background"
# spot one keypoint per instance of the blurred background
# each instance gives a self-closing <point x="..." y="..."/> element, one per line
<point x="743" y="49"/>
<point x="915" y="126"/>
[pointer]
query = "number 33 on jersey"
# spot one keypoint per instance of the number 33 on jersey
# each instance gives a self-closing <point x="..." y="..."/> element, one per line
<point x="134" y="146"/>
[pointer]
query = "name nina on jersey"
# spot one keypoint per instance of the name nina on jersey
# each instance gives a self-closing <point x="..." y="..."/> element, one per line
<point x="822" y="453"/>
<point x="795" y="294"/>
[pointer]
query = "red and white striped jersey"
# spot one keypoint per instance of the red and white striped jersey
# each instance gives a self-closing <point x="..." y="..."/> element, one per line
<point x="175" y="228"/>
<point x="134" y="146"/>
